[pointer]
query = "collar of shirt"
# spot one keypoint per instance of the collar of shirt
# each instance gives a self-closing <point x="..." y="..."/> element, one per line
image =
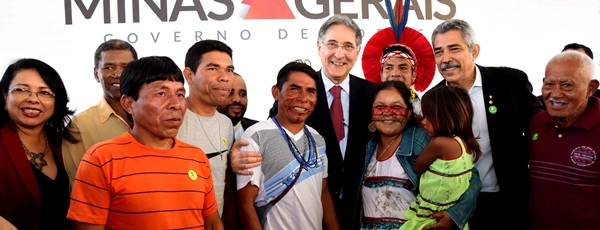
<point x="104" y="110"/>
<point x="345" y="84"/>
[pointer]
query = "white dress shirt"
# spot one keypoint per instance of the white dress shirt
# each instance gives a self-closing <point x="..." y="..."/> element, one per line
<point x="345" y="95"/>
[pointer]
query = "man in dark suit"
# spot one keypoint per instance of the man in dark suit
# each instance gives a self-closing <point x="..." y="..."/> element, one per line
<point x="235" y="106"/>
<point x="338" y="44"/>
<point x="582" y="49"/>
<point x="503" y="106"/>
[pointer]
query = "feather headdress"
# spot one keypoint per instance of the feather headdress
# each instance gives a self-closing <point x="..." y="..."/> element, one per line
<point x="399" y="35"/>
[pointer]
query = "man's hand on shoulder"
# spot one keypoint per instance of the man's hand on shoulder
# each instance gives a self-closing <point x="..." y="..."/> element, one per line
<point x="242" y="160"/>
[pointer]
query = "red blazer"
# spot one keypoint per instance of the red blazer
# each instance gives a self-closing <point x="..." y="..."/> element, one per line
<point x="20" y="199"/>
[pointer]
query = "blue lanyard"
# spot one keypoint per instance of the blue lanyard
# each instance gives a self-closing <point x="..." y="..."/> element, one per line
<point x="312" y="153"/>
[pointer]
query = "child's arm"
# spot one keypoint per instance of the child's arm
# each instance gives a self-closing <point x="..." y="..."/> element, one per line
<point x="246" y="211"/>
<point x="330" y="220"/>
<point x="438" y="147"/>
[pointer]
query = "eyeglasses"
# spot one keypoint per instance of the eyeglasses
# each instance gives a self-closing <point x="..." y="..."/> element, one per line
<point x="334" y="46"/>
<point x="20" y="93"/>
<point x="389" y="110"/>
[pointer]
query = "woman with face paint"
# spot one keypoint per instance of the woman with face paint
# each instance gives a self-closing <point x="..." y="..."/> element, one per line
<point x="389" y="183"/>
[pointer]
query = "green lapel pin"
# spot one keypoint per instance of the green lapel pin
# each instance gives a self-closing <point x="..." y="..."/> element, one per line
<point x="535" y="136"/>
<point x="492" y="109"/>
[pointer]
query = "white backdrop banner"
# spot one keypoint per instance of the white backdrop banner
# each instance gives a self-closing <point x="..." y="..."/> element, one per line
<point x="266" y="34"/>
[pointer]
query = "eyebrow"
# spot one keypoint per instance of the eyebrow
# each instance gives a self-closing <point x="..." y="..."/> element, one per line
<point x="27" y="85"/>
<point x="212" y="64"/>
<point x="449" y="46"/>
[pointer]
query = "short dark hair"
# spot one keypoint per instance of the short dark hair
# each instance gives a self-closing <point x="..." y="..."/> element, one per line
<point x="194" y="53"/>
<point x="147" y="70"/>
<point x="576" y="46"/>
<point x="113" y="44"/>
<point x="294" y="66"/>
<point x="404" y="93"/>
<point x="58" y="122"/>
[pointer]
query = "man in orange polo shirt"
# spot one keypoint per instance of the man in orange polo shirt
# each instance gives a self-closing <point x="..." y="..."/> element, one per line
<point x="146" y="178"/>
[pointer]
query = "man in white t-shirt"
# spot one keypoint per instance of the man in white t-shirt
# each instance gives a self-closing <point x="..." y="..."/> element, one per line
<point x="289" y="189"/>
<point x="209" y="74"/>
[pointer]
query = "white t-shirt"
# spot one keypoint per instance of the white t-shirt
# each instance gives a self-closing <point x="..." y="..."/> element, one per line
<point x="301" y="206"/>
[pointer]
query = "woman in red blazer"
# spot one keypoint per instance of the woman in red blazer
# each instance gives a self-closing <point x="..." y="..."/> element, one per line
<point x="34" y="187"/>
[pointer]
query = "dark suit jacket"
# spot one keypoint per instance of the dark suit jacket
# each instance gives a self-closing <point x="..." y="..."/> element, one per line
<point x="510" y="91"/>
<point x="247" y="122"/>
<point x="344" y="172"/>
<point x="20" y="198"/>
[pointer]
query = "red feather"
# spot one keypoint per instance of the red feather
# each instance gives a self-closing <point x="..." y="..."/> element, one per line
<point x="398" y="11"/>
<point x="425" y="61"/>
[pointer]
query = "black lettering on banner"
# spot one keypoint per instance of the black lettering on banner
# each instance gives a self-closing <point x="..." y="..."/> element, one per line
<point x="121" y="11"/>
<point x="176" y="36"/>
<point x="227" y="14"/>
<point x="86" y="11"/>
<point x="376" y="4"/>
<point x="129" y="38"/>
<point x="450" y="14"/>
<point x="309" y="15"/>
<point x="196" y="7"/>
<point x="155" y="38"/>
<point x="303" y="34"/>
<point x="284" y="36"/>
<point x="242" y="34"/>
<point x="222" y="35"/>
<point x="107" y="35"/>
<point x="337" y="8"/>
<point x="160" y="12"/>
<point x="198" y="35"/>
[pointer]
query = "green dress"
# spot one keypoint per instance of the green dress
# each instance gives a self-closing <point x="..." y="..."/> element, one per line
<point x="440" y="187"/>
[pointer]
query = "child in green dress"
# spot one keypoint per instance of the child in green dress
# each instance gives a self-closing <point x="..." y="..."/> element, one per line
<point x="448" y="159"/>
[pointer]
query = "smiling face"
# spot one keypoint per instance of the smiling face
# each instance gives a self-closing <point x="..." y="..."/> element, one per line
<point x="108" y="72"/>
<point x="390" y="113"/>
<point x="454" y="60"/>
<point x="296" y="99"/>
<point x="159" y="109"/>
<point x="337" y="61"/>
<point x="211" y="84"/>
<point x="29" y="111"/>
<point x="566" y="90"/>
<point x="398" y="69"/>
<point x="236" y="103"/>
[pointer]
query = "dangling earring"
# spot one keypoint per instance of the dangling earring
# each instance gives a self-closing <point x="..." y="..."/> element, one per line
<point x="372" y="127"/>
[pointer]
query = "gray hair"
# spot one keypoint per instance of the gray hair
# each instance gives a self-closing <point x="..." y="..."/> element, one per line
<point x="468" y="35"/>
<point x="340" y="19"/>
<point x="585" y="65"/>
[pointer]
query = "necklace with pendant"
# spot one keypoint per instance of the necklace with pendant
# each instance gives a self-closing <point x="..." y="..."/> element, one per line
<point x="34" y="156"/>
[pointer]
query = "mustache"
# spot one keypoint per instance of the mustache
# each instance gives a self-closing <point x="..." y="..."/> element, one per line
<point x="448" y="65"/>
<point x="238" y="104"/>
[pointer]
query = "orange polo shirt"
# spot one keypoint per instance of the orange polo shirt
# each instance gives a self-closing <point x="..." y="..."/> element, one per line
<point x="123" y="184"/>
